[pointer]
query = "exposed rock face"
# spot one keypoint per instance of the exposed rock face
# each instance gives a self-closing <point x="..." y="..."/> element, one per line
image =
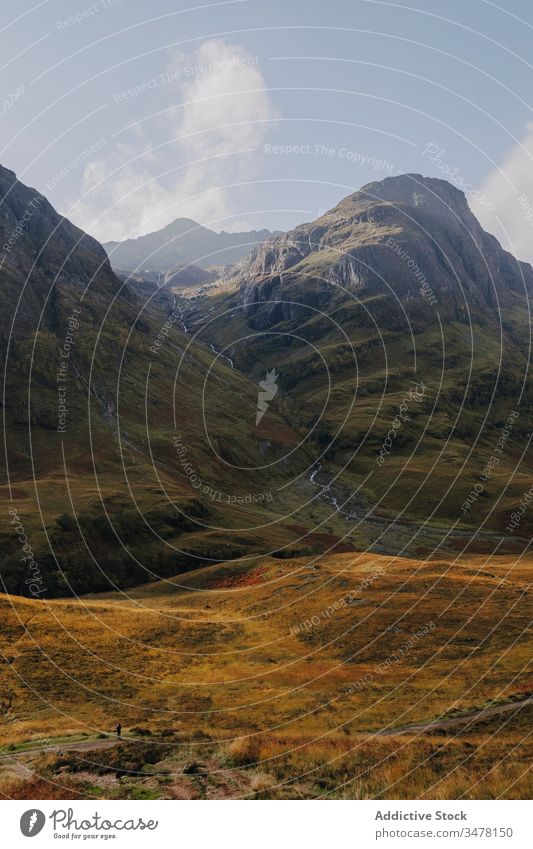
<point x="408" y="237"/>
<point x="182" y="242"/>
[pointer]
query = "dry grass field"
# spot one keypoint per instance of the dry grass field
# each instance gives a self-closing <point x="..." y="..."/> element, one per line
<point x="349" y="676"/>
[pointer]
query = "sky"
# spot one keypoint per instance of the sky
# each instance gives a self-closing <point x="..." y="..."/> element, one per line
<point x="248" y="114"/>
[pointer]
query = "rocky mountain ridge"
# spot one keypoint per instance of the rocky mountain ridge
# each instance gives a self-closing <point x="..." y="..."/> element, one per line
<point x="182" y="242"/>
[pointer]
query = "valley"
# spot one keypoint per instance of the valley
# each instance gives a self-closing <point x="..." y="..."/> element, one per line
<point x="271" y="515"/>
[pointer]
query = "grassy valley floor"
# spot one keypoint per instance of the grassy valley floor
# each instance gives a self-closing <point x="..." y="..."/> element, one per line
<point x="347" y="676"/>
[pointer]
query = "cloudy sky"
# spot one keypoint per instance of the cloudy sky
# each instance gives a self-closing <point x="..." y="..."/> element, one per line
<point x="247" y="114"/>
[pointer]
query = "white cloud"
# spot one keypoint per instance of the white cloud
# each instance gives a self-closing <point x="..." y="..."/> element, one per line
<point x="227" y="109"/>
<point x="224" y="109"/>
<point x="119" y="195"/>
<point x="510" y="190"/>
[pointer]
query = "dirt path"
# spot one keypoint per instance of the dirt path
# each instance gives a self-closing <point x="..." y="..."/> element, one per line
<point x="454" y="721"/>
<point x="420" y="728"/>
<point x="79" y="746"/>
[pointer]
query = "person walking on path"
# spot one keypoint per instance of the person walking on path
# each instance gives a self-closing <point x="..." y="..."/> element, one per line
<point x="118" y="729"/>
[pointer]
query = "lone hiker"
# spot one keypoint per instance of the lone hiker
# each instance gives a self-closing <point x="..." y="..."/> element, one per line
<point x="118" y="729"/>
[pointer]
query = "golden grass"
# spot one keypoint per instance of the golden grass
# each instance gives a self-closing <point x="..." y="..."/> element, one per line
<point x="290" y="671"/>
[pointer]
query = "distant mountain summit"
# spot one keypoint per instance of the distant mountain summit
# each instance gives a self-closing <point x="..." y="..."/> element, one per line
<point x="182" y="242"/>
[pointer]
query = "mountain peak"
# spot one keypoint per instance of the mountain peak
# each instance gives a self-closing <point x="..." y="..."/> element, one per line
<point x="409" y="186"/>
<point x="428" y="196"/>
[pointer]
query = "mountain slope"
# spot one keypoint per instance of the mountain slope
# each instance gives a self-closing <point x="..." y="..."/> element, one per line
<point x="131" y="450"/>
<point x="394" y="302"/>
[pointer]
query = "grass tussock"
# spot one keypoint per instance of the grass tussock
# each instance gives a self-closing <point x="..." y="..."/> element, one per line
<point x="245" y="751"/>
